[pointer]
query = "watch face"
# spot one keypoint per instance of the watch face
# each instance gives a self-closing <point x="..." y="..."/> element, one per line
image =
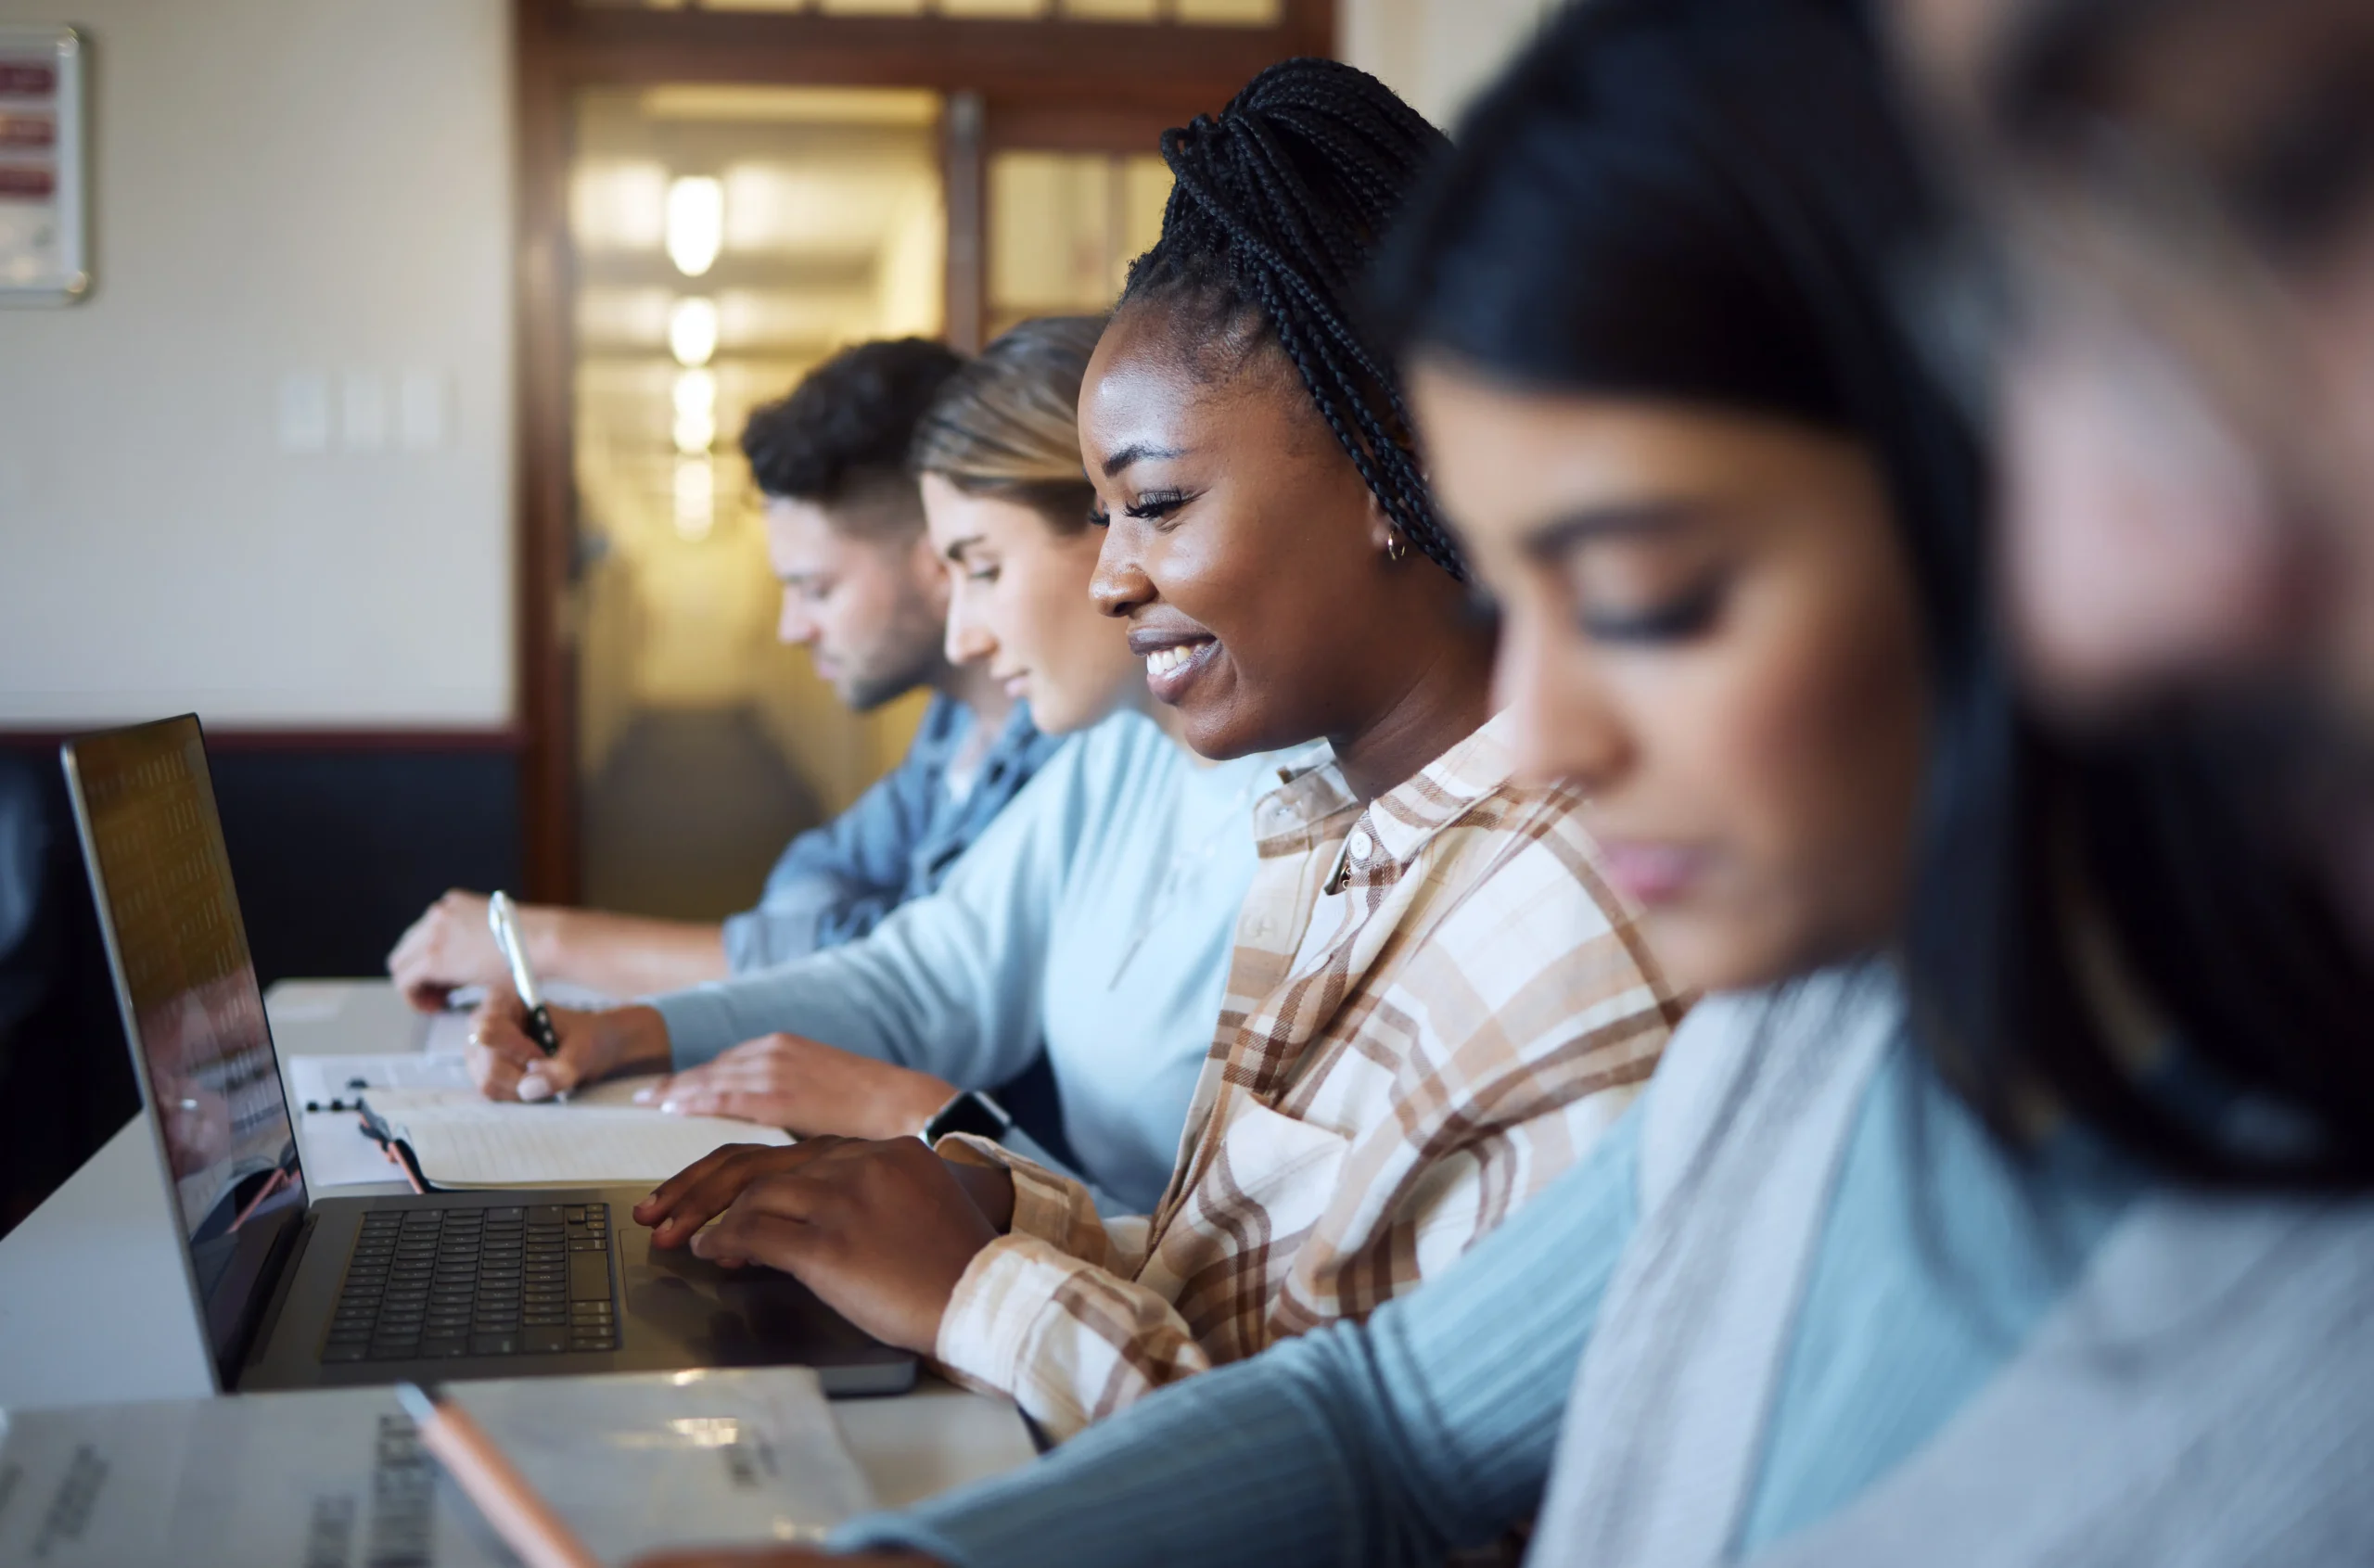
<point x="971" y="1112"/>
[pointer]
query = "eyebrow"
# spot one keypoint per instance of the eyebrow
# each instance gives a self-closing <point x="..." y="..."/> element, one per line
<point x="1620" y="520"/>
<point x="1138" y="453"/>
<point x="956" y="548"/>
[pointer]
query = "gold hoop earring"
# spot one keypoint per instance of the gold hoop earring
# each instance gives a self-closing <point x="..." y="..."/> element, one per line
<point x="1395" y="547"/>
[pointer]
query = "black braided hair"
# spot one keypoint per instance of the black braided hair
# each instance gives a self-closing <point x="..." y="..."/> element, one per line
<point x="1281" y="205"/>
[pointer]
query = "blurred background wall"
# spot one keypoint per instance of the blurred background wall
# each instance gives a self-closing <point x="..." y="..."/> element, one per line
<point x="1435" y="53"/>
<point x="265" y="470"/>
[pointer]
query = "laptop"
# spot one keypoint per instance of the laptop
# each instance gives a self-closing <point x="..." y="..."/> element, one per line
<point x="372" y="1290"/>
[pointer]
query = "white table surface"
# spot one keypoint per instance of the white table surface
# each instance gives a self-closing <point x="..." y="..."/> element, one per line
<point x="124" y="1330"/>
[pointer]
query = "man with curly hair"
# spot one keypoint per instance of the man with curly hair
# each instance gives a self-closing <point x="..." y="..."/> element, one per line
<point x="864" y="592"/>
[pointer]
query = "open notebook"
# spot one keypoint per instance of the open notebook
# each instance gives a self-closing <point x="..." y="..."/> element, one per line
<point x="597" y="1136"/>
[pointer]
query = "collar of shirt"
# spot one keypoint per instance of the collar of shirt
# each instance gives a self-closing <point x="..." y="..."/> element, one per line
<point x="1313" y="806"/>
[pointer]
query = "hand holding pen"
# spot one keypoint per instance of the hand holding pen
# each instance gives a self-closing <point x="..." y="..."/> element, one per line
<point x="504" y="917"/>
<point x="507" y="1061"/>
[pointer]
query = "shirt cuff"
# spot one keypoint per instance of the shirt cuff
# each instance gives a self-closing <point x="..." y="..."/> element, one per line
<point x="1045" y="1205"/>
<point x="993" y="1314"/>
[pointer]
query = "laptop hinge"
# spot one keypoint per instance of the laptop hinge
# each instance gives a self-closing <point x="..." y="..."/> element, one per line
<point x="280" y="1268"/>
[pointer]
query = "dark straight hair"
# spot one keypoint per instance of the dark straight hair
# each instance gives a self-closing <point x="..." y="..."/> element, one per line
<point x="1716" y="201"/>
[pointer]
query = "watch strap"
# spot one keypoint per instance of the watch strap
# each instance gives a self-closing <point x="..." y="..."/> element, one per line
<point x="968" y="1111"/>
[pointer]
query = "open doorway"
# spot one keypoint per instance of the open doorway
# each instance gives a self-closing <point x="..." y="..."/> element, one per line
<point x="714" y="197"/>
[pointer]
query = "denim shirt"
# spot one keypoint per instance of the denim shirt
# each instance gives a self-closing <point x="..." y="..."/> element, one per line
<point x="834" y="883"/>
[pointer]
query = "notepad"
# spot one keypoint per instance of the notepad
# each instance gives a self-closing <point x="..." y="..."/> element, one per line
<point x="634" y="1463"/>
<point x="600" y="1136"/>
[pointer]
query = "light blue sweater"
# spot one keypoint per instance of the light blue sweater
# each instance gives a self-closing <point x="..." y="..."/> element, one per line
<point x="834" y="883"/>
<point x="1097" y="913"/>
<point x="1436" y="1423"/>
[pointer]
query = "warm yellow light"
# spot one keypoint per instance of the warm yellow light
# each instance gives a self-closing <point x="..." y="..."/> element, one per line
<point x="695" y="401"/>
<point x="695" y="223"/>
<point x="696" y="392"/>
<point x="696" y="498"/>
<point x="692" y="330"/>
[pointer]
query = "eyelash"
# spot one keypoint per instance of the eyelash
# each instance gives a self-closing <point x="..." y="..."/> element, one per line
<point x="1677" y="620"/>
<point x="980" y="574"/>
<point x="1160" y="503"/>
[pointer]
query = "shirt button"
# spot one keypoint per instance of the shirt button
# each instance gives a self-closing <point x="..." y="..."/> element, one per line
<point x="1361" y="844"/>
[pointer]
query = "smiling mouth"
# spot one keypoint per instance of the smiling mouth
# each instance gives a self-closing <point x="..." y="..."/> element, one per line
<point x="1172" y="667"/>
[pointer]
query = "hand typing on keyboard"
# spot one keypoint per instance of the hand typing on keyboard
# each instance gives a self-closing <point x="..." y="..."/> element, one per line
<point x="881" y="1231"/>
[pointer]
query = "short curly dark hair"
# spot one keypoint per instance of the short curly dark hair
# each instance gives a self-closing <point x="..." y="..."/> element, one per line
<point x="848" y="422"/>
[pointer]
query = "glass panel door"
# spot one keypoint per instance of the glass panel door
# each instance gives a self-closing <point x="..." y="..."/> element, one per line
<point x="727" y="239"/>
<point x="1064" y="226"/>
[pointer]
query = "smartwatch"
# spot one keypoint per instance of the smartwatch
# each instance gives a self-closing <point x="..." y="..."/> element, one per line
<point x="972" y="1111"/>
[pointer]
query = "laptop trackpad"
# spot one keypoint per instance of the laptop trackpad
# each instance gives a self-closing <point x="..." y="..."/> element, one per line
<point x="702" y="1315"/>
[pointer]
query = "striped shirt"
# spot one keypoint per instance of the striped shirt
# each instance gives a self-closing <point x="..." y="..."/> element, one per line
<point x="1435" y="1006"/>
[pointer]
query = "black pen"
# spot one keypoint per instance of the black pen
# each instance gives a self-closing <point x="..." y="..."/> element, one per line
<point x="504" y="918"/>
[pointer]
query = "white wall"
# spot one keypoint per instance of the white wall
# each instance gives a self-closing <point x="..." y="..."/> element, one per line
<point x="1435" y="53"/>
<point x="283" y="189"/>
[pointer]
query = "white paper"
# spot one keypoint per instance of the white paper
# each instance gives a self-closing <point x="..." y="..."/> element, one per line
<point x="338" y="1479"/>
<point x="323" y="1078"/>
<point x="600" y="1136"/>
<point x="335" y="1151"/>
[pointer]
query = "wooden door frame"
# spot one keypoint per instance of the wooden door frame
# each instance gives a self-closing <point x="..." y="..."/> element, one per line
<point x="1018" y="72"/>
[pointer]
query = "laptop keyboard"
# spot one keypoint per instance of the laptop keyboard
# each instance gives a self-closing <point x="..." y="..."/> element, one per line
<point x="520" y="1281"/>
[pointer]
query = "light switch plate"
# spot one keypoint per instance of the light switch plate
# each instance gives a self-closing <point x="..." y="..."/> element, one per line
<point x="304" y="412"/>
<point x="363" y="411"/>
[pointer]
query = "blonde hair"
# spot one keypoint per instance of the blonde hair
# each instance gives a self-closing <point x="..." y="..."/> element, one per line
<point x="1007" y="424"/>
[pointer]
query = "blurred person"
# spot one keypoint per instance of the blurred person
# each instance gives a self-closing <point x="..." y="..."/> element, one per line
<point x="1437" y="1003"/>
<point x="2172" y="279"/>
<point x="1829" y="1295"/>
<point x="1094" y="915"/>
<point x="866" y="593"/>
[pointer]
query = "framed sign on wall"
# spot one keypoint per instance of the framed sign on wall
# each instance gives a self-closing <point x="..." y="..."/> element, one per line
<point x="45" y="242"/>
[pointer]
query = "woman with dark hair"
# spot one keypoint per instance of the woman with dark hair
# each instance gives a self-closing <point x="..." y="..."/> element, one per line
<point x="1822" y="1299"/>
<point x="1435" y="1005"/>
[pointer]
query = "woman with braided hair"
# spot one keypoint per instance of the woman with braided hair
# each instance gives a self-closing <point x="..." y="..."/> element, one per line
<point x="1435" y="1005"/>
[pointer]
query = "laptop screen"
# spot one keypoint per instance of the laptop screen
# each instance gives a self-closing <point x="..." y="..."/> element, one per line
<point x="163" y="882"/>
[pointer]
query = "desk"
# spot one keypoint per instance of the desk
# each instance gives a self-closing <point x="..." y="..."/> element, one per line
<point x="125" y="1331"/>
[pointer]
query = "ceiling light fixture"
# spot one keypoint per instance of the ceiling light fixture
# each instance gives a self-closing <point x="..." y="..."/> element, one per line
<point x="695" y="223"/>
<point x="691" y="331"/>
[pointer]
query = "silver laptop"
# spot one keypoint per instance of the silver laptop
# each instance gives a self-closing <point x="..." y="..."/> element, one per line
<point x="443" y="1285"/>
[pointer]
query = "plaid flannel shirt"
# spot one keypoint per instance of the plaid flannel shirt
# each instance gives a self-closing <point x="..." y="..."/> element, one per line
<point x="1435" y="1006"/>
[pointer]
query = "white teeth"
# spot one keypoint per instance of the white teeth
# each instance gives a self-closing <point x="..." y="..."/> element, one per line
<point x="1162" y="661"/>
